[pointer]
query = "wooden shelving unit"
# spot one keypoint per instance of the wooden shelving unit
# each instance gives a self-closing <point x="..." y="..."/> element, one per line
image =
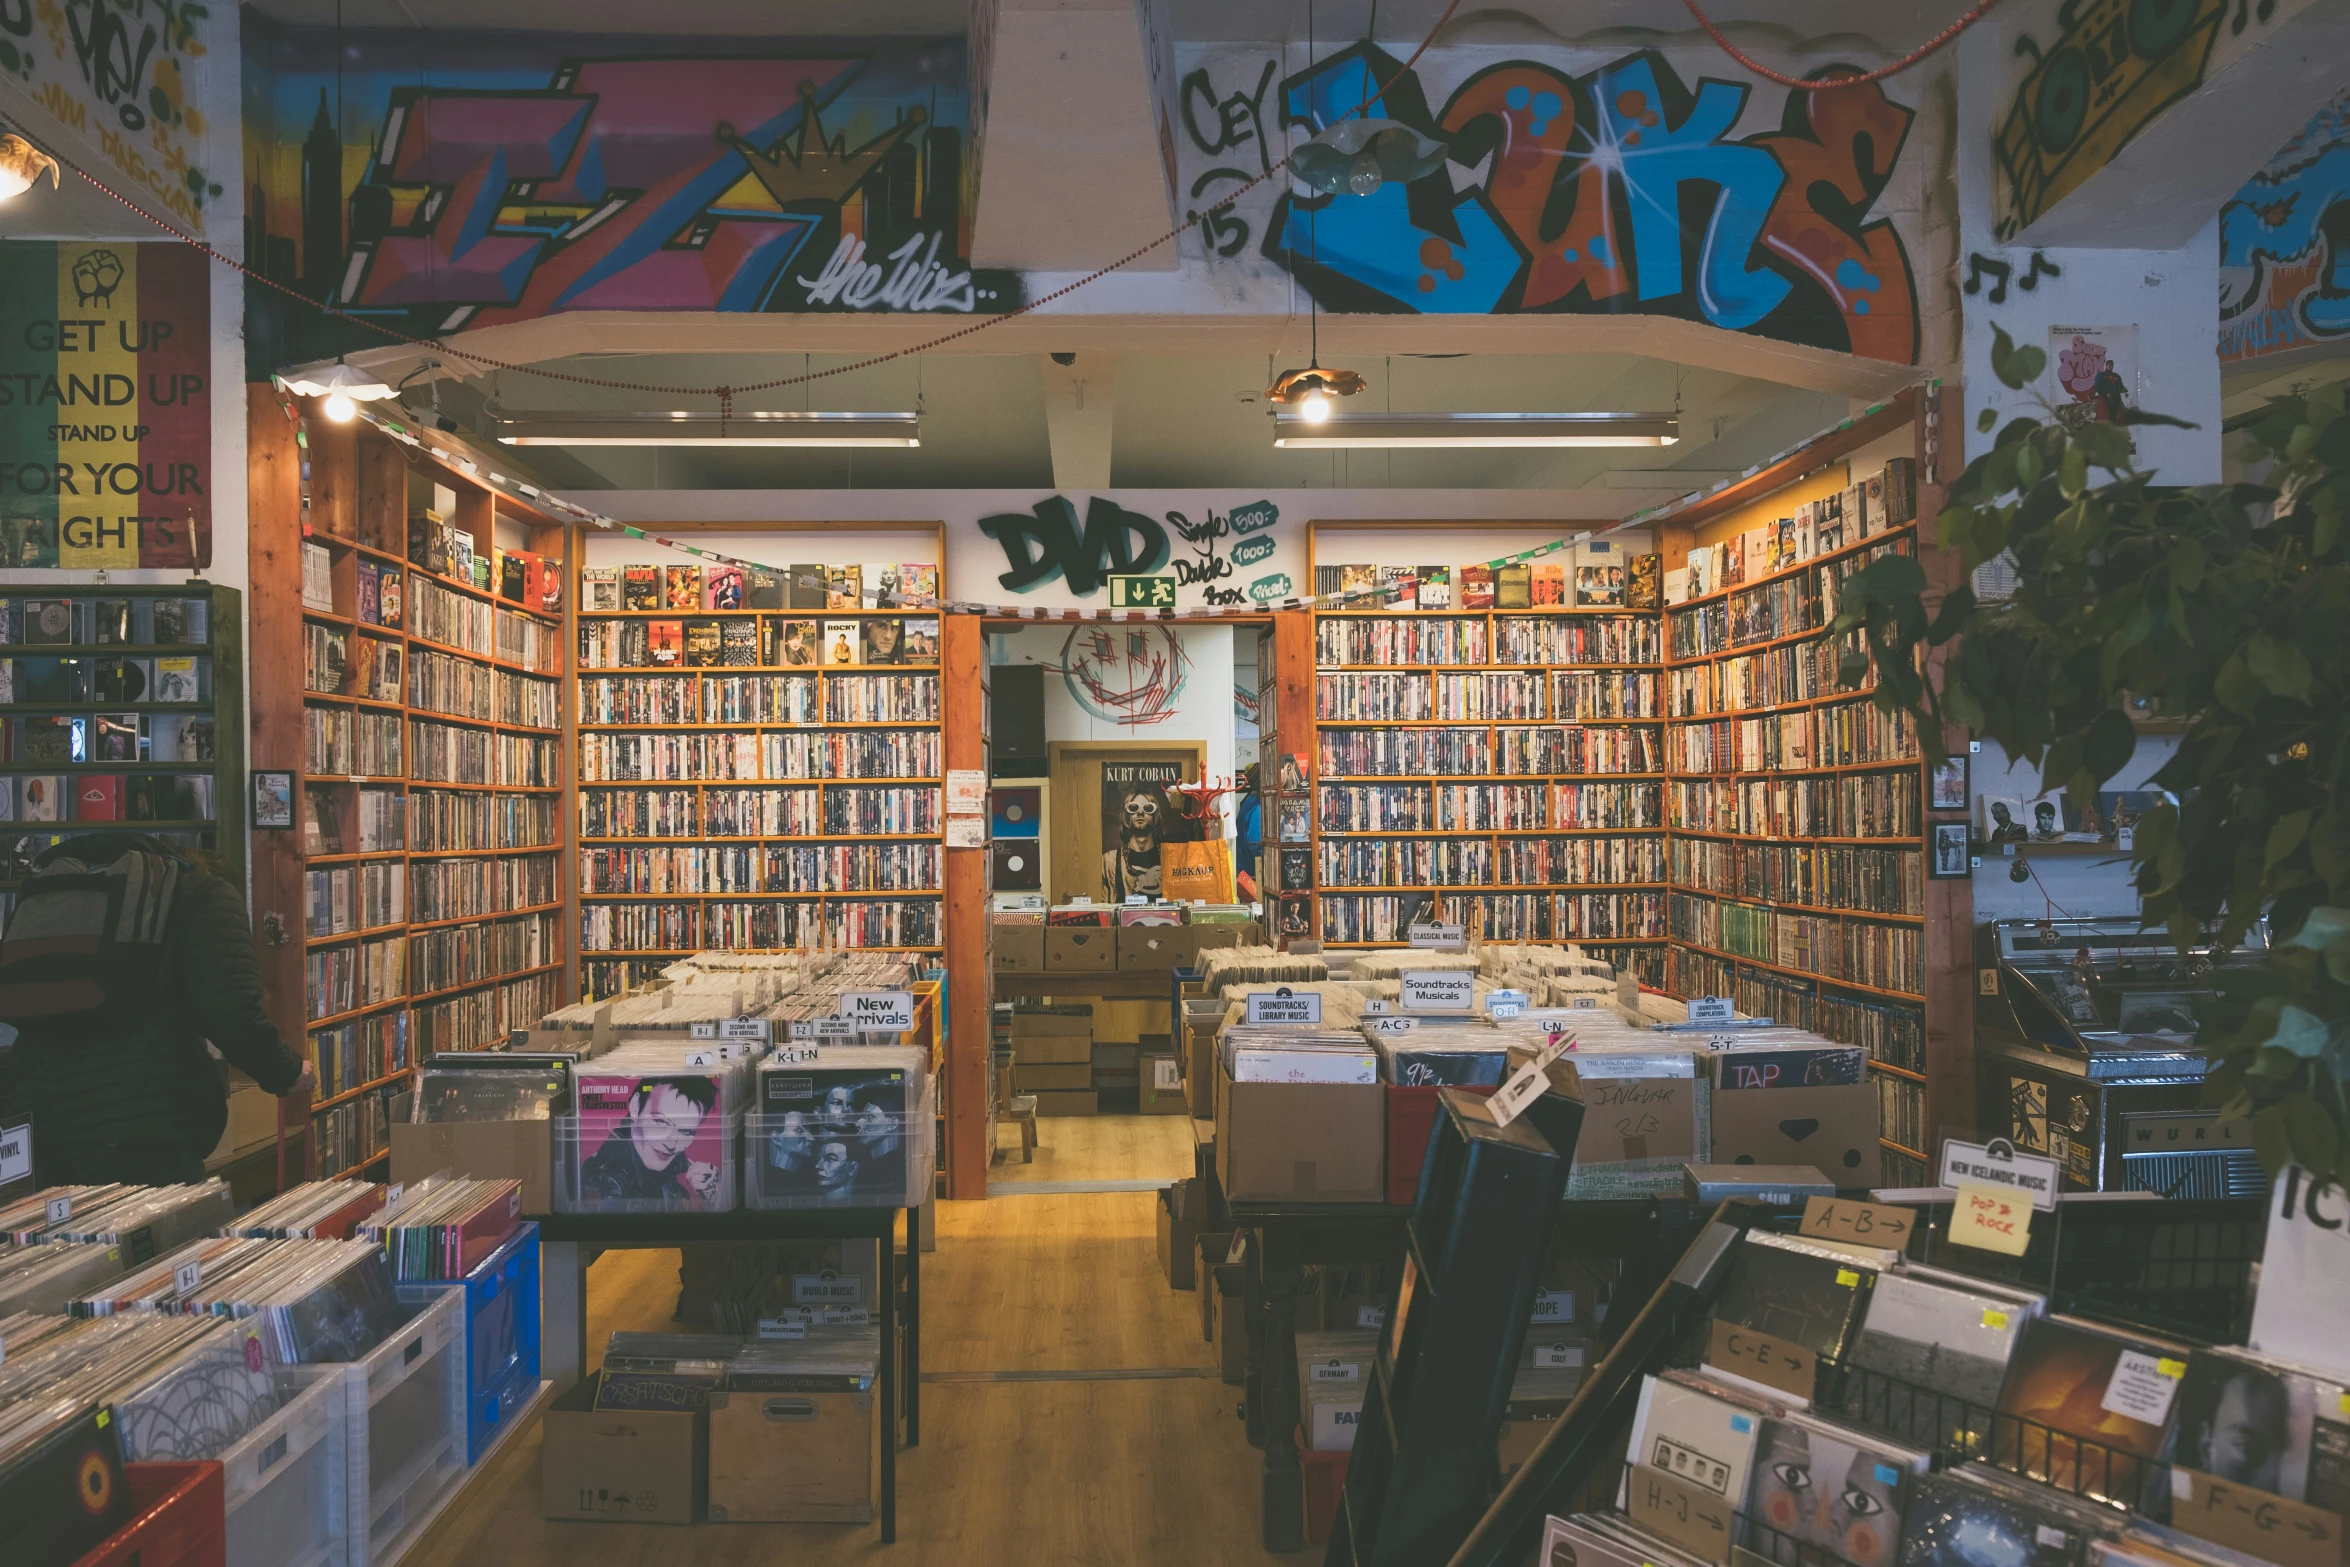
<point x="859" y="858"/>
<point x="1798" y="813"/>
<point x="1547" y="822"/>
<point x="446" y="829"/>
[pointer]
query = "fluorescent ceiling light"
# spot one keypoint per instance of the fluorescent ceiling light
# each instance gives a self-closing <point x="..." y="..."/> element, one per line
<point x="1344" y="427"/>
<point x="709" y="429"/>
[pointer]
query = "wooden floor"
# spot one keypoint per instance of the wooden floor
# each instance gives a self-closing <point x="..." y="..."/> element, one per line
<point x="1089" y="1471"/>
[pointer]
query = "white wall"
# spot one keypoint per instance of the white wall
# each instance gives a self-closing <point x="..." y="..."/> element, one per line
<point x="2073" y="879"/>
<point x="2169" y="296"/>
<point x="1203" y="711"/>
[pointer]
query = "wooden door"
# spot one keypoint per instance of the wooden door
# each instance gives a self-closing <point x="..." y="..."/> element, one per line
<point x="1081" y="836"/>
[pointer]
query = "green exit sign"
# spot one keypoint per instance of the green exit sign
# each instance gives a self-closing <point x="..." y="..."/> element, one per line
<point x="1142" y="593"/>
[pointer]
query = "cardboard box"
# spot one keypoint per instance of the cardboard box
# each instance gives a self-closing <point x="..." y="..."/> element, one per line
<point x="1030" y="1079"/>
<point x="252" y="1115"/>
<point x="1769" y="1108"/>
<point x="1178" y="1237"/>
<point x="486" y="1150"/>
<point x="1125" y="1022"/>
<point x="1243" y="933"/>
<point x="1059" y="1021"/>
<point x="1080" y="951"/>
<point x="1069" y="1102"/>
<point x="1523" y="1426"/>
<point x="792" y="1457"/>
<point x="622" y="1465"/>
<point x="1157" y="949"/>
<point x="1018" y="947"/>
<point x="1301" y="1142"/>
<point x="1161" y="1086"/>
<point x="1051" y="1049"/>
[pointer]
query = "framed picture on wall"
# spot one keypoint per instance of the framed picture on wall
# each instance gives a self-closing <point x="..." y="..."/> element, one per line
<point x="273" y="799"/>
<point x="1949" y="850"/>
<point x="1947" y="785"/>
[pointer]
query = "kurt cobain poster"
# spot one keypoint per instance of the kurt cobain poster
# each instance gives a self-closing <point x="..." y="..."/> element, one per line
<point x="1136" y="820"/>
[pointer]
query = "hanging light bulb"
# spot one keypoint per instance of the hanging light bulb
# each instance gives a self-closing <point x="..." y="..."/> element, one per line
<point x="340" y="385"/>
<point x="1314" y="408"/>
<point x="1358" y="155"/>
<point x="21" y="167"/>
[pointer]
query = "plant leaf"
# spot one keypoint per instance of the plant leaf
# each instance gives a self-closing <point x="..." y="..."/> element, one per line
<point x="2280" y="666"/>
<point x="2108" y="746"/>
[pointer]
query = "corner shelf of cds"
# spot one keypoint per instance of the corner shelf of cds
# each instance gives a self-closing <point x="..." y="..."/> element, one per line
<point x="760" y="762"/>
<point x="1796" y="808"/>
<point x="123" y="711"/>
<point x="1497" y="768"/>
<point x="428" y="780"/>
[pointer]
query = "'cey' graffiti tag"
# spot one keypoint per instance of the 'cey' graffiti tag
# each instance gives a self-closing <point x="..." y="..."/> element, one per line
<point x="2284" y="245"/>
<point x="1619" y="190"/>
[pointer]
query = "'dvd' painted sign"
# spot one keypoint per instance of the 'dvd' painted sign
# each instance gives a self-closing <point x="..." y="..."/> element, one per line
<point x="105" y="410"/>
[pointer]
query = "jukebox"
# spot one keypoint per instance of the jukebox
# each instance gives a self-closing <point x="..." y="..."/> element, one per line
<point x="2086" y="1051"/>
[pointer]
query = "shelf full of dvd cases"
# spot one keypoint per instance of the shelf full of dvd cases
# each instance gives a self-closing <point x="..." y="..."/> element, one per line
<point x="426" y="803"/>
<point x="121" y="709"/>
<point x="1797" y="861"/>
<point x="759" y="763"/>
<point x="1494" y="759"/>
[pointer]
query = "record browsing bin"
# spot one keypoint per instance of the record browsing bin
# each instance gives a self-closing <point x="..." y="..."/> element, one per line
<point x="501" y="1309"/>
<point x="408" y="1396"/>
<point x="291" y="1489"/>
<point x="596" y="1171"/>
<point x="888" y="1160"/>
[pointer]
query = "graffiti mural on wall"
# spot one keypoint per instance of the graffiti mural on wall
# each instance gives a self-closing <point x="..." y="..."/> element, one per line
<point x="2284" y="245"/>
<point x="1230" y="557"/>
<point x="538" y="175"/>
<point x="116" y="71"/>
<point x="1617" y="189"/>
<point x="2104" y="72"/>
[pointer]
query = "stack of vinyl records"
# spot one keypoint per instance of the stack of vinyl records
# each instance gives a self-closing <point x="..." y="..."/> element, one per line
<point x="313" y="1302"/>
<point x="1222" y="966"/>
<point x="823" y="1358"/>
<point x="841" y="1125"/>
<point x="145" y="1219"/>
<point x="494" y="1085"/>
<point x="78" y="1399"/>
<point x="314" y="1211"/>
<point x="653" y="1127"/>
<point x="443" y="1227"/>
<point x="1274" y="1053"/>
<point x="664" y="1370"/>
<point x="44" y="1278"/>
<point x="1443" y="1058"/>
<point x="1333" y="1374"/>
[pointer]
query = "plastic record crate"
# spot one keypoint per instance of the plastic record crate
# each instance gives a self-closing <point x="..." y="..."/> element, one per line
<point x="501" y="1306"/>
<point x="291" y="1488"/>
<point x="408" y="1396"/>
<point x="178" y="1522"/>
<point x="575" y="1148"/>
<point x="889" y="1163"/>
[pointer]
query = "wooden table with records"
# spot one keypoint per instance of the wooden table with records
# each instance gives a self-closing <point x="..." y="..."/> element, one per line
<point x="569" y="1242"/>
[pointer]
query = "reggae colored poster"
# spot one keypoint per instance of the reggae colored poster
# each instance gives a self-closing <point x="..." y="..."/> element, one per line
<point x="105" y="411"/>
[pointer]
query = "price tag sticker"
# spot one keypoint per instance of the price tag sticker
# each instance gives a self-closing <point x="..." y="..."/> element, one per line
<point x="188" y="1276"/>
<point x="1997" y="1321"/>
<point x="1848" y="1277"/>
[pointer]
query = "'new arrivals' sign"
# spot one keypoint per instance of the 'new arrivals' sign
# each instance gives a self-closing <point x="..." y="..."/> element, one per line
<point x="105" y="411"/>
